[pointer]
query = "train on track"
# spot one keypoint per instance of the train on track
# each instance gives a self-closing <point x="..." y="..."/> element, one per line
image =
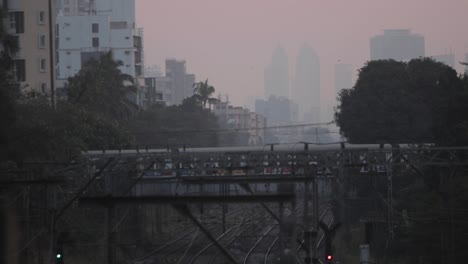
<point x="297" y="147"/>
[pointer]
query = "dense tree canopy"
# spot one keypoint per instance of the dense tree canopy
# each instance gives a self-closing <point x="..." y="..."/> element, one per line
<point x="34" y="130"/>
<point x="187" y="124"/>
<point x="44" y="133"/>
<point x="102" y="88"/>
<point x="399" y="102"/>
<point x="414" y="102"/>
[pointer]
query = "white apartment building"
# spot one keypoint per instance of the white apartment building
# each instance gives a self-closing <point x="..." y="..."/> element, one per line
<point x="28" y="21"/>
<point x="86" y="29"/>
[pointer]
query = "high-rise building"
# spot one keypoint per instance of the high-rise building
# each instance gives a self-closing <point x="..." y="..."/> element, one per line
<point x="343" y="77"/>
<point x="88" y="28"/>
<point x="306" y="86"/>
<point x="397" y="44"/>
<point x="447" y="59"/>
<point x="181" y="82"/>
<point x="276" y="80"/>
<point x="28" y="21"/>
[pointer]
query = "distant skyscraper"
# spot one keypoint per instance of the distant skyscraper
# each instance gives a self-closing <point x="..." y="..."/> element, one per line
<point x="343" y="77"/>
<point x="277" y="75"/>
<point x="306" y="87"/>
<point x="397" y="44"/>
<point x="447" y="59"/>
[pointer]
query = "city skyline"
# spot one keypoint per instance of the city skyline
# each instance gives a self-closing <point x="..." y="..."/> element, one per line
<point x="233" y="52"/>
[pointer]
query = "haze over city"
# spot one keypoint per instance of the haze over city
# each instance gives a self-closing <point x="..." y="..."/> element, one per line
<point x="241" y="131"/>
<point x="232" y="42"/>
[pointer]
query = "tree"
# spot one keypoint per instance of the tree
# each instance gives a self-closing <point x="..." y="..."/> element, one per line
<point x="398" y="102"/>
<point x="186" y="124"/>
<point x="203" y="91"/>
<point x="44" y="133"/>
<point x="414" y="102"/>
<point x="102" y="88"/>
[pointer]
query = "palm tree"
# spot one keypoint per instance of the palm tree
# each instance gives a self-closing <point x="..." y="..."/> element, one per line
<point x="203" y="91"/>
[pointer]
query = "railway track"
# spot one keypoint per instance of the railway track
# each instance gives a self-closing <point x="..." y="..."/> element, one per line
<point x="191" y="246"/>
<point x="175" y="243"/>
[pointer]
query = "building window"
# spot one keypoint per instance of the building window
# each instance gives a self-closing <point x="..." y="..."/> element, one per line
<point x="19" y="70"/>
<point x="17" y="22"/>
<point x="15" y="40"/>
<point x="43" y="87"/>
<point x="42" y="41"/>
<point x="118" y="25"/>
<point x="95" y="27"/>
<point x="138" y="70"/>
<point x="12" y="21"/>
<point x="95" y="42"/>
<point x="42" y="65"/>
<point x="41" y="18"/>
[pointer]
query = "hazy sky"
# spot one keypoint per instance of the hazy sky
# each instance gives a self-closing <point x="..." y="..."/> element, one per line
<point x="231" y="41"/>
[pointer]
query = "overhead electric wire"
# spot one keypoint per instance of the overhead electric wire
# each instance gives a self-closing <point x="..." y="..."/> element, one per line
<point x="201" y="131"/>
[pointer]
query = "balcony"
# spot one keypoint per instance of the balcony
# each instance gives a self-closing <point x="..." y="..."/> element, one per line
<point x="96" y="49"/>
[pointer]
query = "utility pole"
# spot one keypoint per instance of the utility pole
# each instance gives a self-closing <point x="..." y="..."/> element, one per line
<point x="310" y="217"/>
<point x="110" y="235"/>
<point x="308" y="227"/>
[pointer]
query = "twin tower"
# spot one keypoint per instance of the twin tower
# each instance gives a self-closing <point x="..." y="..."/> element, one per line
<point x="305" y="86"/>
